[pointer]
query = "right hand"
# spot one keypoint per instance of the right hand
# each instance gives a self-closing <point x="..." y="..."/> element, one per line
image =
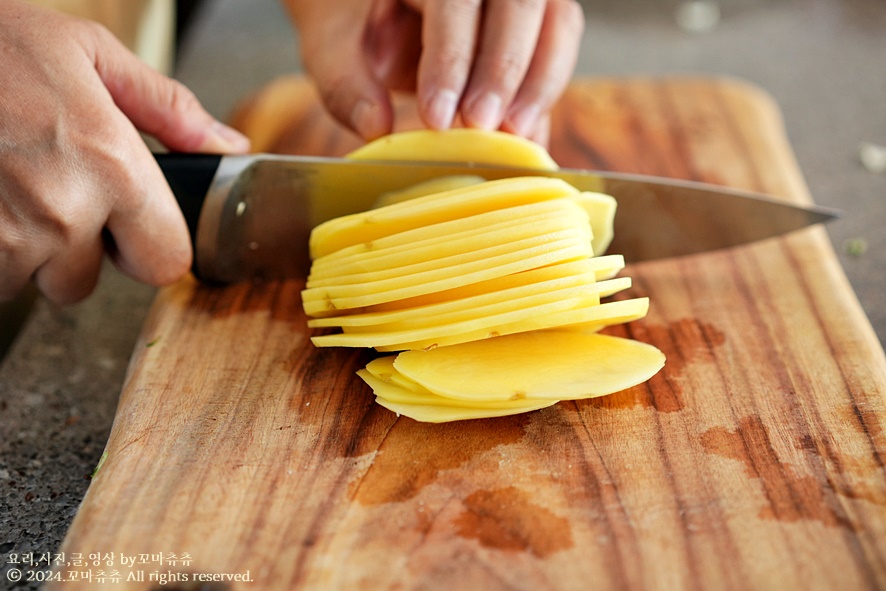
<point x="76" y="179"/>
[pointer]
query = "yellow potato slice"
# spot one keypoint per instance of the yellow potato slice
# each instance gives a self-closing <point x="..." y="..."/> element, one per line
<point x="457" y="145"/>
<point x="478" y="327"/>
<point x="392" y="391"/>
<point x="438" y="185"/>
<point x="447" y="414"/>
<point x="371" y="225"/>
<point x="385" y="256"/>
<point x="534" y="365"/>
<point x="383" y="369"/>
<point x="325" y="301"/>
<point x="601" y="213"/>
<point x="580" y="319"/>
<point x="470" y="304"/>
<point x="525" y="301"/>
<point x="422" y="270"/>
<point x="603" y="268"/>
<point x="505" y="237"/>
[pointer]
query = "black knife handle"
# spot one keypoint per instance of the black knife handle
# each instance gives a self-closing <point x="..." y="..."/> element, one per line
<point x="189" y="176"/>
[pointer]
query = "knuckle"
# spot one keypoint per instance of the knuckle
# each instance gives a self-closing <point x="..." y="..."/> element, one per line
<point x="510" y="67"/>
<point x="452" y="59"/>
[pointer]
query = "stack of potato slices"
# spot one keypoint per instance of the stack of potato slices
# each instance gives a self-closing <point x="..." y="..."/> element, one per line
<point x="491" y="291"/>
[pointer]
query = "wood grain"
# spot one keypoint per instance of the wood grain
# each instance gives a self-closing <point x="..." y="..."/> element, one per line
<point x="754" y="460"/>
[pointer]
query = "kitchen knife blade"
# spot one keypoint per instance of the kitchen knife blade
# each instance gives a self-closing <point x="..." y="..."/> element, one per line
<point x="250" y="216"/>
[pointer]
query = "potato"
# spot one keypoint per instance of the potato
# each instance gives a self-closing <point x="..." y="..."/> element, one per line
<point x="371" y="225"/>
<point x="458" y="145"/>
<point x="455" y="237"/>
<point x="491" y="292"/>
<point x="437" y="185"/>
<point x="585" y="317"/>
<point x="564" y="366"/>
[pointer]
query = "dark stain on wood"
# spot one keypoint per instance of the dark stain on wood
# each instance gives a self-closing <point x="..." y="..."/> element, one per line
<point x="791" y="496"/>
<point x="413" y="454"/>
<point x="507" y="519"/>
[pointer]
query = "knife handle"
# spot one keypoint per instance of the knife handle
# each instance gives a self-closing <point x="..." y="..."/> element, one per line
<point x="189" y="176"/>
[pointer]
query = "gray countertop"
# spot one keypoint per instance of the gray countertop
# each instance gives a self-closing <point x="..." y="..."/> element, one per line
<point x="824" y="62"/>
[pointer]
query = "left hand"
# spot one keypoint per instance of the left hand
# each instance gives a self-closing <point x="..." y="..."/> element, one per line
<point x="498" y="64"/>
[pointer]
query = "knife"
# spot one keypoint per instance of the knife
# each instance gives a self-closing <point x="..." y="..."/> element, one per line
<point x="250" y="216"/>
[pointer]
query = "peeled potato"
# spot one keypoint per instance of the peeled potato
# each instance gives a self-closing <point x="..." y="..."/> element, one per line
<point x="534" y="365"/>
<point x="469" y="305"/>
<point x="602" y="268"/>
<point x="586" y="316"/>
<point x="371" y="225"/>
<point x="491" y="292"/>
<point x="601" y="213"/>
<point x="454" y="237"/>
<point x="437" y="185"/>
<point x="326" y="300"/>
<point x="458" y="145"/>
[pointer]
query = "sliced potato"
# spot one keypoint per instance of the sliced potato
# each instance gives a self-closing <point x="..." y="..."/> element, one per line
<point x="371" y="225"/>
<point x="470" y="304"/>
<point x="324" y="301"/>
<point x="457" y="145"/>
<point x="504" y="236"/>
<point x="602" y="267"/>
<point x="548" y="365"/>
<point x="585" y="317"/>
<point x="601" y="213"/>
<point x="437" y="185"/>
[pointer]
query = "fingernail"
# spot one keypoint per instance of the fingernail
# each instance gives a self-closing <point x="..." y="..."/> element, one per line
<point x="441" y="109"/>
<point x="524" y="121"/>
<point x="366" y="120"/>
<point x="227" y="139"/>
<point x="485" y="113"/>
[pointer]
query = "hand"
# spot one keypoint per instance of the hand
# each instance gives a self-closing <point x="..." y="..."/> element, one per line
<point x="75" y="176"/>
<point x="499" y="64"/>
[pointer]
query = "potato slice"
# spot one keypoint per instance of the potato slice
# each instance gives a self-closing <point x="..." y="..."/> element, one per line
<point x="371" y="225"/>
<point x="457" y="145"/>
<point x="500" y="238"/>
<point x="471" y="304"/>
<point x="602" y="267"/>
<point x="526" y="300"/>
<point x="549" y="365"/>
<point x="447" y="414"/>
<point x="438" y="185"/>
<point x="601" y="213"/>
<point x="391" y="391"/>
<point x="328" y="301"/>
<point x="584" y="318"/>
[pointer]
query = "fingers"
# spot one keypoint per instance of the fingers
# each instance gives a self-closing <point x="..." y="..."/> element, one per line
<point x="449" y="32"/>
<point x="506" y="48"/>
<point x="549" y="71"/>
<point x="150" y="237"/>
<point x="332" y="47"/>
<point x="73" y="272"/>
<point x="498" y="63"/>
<point x="159" y="105"/>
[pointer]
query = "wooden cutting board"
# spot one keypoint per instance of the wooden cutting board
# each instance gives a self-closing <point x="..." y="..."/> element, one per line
<point x="754" y="460"/>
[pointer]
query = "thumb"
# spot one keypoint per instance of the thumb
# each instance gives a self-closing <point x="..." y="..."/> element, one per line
<point x="160" y="106"/>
